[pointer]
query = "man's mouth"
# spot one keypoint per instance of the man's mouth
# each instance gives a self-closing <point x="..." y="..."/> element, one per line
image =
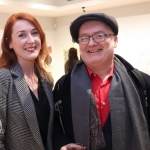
<point x="94" y="51"/>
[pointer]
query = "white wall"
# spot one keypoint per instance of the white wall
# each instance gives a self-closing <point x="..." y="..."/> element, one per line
<point x="47" y="2"/>
<point x="51" y="2"/>
<point x="134" y="41"/>
<point x="134" y="36"/>
<point x="66" y="2"/>
<point x="63" y="41"/>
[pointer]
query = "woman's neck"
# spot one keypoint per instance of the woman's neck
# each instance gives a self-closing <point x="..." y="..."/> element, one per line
<point x="28" y="68"/>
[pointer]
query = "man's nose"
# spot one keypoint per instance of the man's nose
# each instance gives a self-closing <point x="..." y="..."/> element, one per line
<point x="92" y="41"/>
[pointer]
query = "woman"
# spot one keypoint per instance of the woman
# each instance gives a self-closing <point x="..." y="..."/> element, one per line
<point x="26" y="104"/>
<point x="72" y="59"/>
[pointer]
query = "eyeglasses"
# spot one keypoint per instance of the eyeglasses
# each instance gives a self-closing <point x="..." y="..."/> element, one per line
<point x="100" y="37"/>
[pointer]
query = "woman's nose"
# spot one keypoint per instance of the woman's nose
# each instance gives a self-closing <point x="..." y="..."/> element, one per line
<point x="30" y="38"/>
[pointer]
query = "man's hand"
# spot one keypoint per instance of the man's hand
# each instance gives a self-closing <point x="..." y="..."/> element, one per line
<point x="73" y="146"/>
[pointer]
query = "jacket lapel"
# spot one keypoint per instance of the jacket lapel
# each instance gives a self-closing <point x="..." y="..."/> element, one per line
<point x="48" y="91"/>
<point x="26" y="102"/>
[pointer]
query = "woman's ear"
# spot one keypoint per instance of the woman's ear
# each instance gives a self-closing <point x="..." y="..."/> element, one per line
<point x="10" y="46"/>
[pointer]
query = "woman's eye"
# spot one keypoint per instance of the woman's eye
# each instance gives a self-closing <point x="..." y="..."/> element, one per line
<point x="35" y="33"/>
<point x="21" y="35"/>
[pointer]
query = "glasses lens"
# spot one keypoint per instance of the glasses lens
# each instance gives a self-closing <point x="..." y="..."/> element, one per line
<point x="83" y="40"/>
<point x="99" y="37"/>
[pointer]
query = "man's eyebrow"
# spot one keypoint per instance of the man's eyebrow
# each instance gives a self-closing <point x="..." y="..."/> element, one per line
<point x="85" y="34"/>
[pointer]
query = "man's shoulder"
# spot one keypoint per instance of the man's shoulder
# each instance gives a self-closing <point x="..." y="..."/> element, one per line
<point x="63" y="79"/>
<point x="144" y="75"/>
<point x="133" y="71"/>
<point x="146" y="78"/>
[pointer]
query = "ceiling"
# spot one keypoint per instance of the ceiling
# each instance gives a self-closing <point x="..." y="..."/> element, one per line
<point x="66" y="8"/>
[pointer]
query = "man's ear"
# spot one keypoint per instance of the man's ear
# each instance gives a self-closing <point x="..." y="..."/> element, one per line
<point x="115" y="41"/>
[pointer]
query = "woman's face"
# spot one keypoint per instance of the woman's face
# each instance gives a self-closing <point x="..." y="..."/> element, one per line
<point x="25" y="41"/>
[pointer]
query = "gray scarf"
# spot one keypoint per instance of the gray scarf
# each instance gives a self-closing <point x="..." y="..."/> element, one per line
<point x="129" y="127"/>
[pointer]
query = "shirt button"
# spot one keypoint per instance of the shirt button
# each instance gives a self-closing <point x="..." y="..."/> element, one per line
<point x="103" y="103"/>
<point x="94" y="74"/>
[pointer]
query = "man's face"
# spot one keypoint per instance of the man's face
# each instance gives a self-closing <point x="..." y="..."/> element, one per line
<point x="97" y="53"/>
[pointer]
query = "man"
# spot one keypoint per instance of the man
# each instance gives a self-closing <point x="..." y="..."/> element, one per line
<point x="100" y="103"/>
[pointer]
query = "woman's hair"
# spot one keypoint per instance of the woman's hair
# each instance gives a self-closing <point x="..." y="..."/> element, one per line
<point x="8" y="57"/>
<point x="72" y="59"/>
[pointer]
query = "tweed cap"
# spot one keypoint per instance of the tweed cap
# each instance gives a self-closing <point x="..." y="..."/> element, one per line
<point x="109" y="20"/>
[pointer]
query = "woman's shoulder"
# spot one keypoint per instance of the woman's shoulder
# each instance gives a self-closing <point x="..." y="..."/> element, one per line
<point x="4" y="74"/>
<point x="4" y="70"/>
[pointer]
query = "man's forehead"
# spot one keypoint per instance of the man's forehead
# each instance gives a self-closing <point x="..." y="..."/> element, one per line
<point x="94" y="24"/>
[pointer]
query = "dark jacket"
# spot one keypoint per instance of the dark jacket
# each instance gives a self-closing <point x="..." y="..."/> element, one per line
<point x="58" y="138"/>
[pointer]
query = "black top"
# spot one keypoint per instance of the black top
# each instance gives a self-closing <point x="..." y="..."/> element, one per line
<point x="42" y="109"/>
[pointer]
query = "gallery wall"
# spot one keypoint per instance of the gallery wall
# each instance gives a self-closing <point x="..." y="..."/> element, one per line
<point x="134" y="35"/>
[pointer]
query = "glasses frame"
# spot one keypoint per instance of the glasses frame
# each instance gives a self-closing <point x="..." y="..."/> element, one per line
<point x="95" y="40"/>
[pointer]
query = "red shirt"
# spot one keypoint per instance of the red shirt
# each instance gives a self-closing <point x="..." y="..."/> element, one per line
<point x="100" y="90"/>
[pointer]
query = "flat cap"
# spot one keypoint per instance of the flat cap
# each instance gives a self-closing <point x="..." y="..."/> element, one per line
<point x="109" y="20"/>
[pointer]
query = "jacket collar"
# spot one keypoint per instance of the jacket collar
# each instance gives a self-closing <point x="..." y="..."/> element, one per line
<point x="126" y="64"/>
<point x="26" y="102"/>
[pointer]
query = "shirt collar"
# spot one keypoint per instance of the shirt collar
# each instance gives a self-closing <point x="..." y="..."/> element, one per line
<point x="90" y="72"/>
